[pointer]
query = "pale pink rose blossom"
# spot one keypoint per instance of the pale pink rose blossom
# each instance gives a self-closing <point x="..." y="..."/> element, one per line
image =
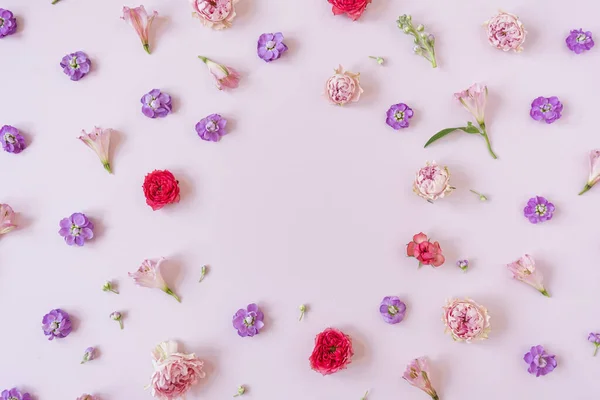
<point x="224" y="76"/>
<point x="141" y="22"/>
<point x="148" y="275"/>
<point x="594" y="171"/>
<point x="343" y="87"/>
<point x="466" y="320"/>
<point x="417" y="374"/>
<point x="474" y="100"/>
<point x="432" y="182"/>
<point x="524" y="270"/>
<point x="506" y="32"/>
<point x="216" y="14"/>
<point x="174" y="373"/>
<point x="99" y="141"/>
<point x="88" y="397"/>
<point x="7" y="218"/>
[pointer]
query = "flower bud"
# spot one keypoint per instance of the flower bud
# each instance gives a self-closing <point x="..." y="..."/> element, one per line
<point x="420" y="28"/>
<point x="117" y="316"/>
<point x="241" y="390"/>
<point x="406" y="29"/>
<point x="88" y="355"/>
<point x="108" y="287"/>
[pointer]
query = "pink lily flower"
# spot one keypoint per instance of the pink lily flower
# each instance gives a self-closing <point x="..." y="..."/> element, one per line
<point x="594" y="171"/>
<point x="224" y="76"/>
<point x="524" y="270"/>
<point x="99" y="141"/>
<point x="148" y="275"/>
<point x="141" y="22"/>
<point x="417" y="374"/>
<point x="474" y="100"/>
<point x="7" y="216"/>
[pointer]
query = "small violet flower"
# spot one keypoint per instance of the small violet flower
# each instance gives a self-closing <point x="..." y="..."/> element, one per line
<point x="108" y="287"/>
<point x="7" y="218"/>
<point x="249" y="321"/>
<point x="8" y="23"/>
<point x="148" y="275"/>
<point x="156" y="104"/>
<point x="417" y="374"/>
<point x="99" y="141"/>
<point x="14" y="394"/>
<point x="538" y="209"/>
<point x="88" y="355"/>
<point x="594" y="176"/>
<point x="211" y="128"/>
<point x="398" y="115"/>
<point x="117" y="316"/>
<point x="76" y="229"/>
<point x="547" y="109"/>
<point x="595" y="338"/>
<point x="76" y="65"/>
<point x="392" y="309"/>
<point x="140" y="21"/>
<point x="270" y="46"/>
<point x="12" y="140"/>
<point x="224" y="76"/>
<point x="56" y="324"/>
<point x="524" y="270"/>
<point x="540" y="362"/>
<point x="579" y="41"/>
<point x="463" y="264"/>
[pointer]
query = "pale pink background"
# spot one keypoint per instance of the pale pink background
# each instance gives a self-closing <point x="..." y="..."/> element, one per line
<point x="302" y="202"/>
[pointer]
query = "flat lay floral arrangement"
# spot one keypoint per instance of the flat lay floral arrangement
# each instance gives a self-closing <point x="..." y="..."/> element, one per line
<point x="179" y="369"/>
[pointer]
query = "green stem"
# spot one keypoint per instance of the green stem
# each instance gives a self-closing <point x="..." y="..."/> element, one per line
<point x="107" y="167"/>
<point x="487" y="141"/>
<point x="121" y="324"/>
<point x="204" y="59"/>
<point x="596" y="349"/>
<point x="147" y="48"/>
<point x="545" y="292"/>
<point x="55" y="1"/>
<point x="114" y="291"/>
<point x="434" y="396"/>
<point x="585" y="189"/>
<point x="171" y="293"/>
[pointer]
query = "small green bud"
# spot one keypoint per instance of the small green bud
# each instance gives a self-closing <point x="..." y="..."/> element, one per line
<point x="108" y="287"/>
<point x="420" y="28"/>
<point x="302" y="309"/>
<point x="241" y="390"/>
<point x="406" y="29"/>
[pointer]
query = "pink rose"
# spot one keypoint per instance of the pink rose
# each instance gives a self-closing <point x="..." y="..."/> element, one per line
<point x="466" y="320"/>
<point x="343" y="87"/>
<point x="506" y="32"/>
<point x="428" y="253"/>
<point x="216" y="14"/>
<point x="174" y="373"/>
<point x="432" y="182"/>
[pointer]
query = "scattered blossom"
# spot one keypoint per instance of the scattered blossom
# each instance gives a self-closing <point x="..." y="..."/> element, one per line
<point x="56" y="324"/>
<point x="8" y="23"/>
<point x="398" y="115"/>
<point x="417" y="374"/>
<point x="424" y="42"/>
<point x="12" y="140"/>
<point x="466" y="320"/>
<point x="270" y="46"/>
<point x="99" y="141"/>
<point x="427" y="252"/>
<point x="352" y="8"/>
<point x="215" y="14"/>
<point x="332" y="352"/>
<point x="76" y="65"/>
<point x="538" y="209"/>
<point x="225" y="77"/>
<point x="540" y="361"/>
<point x="506" y="32"/>
<point x="211" y="128"/>
<point x="579" y="41"/>
<point x="7" y="219"/>
<point x="156" y="104"/>
<point x="432" y="182"/>
<point x="139" y="19"/>
<point x="524" y="270"/>
<point x="343" y="87"/>
<point x="248" y="321"/>
<point x="88" y="355"/>
<point x="547" y="109"/>
<point x="148" y="275"/>
<point x="392" y="309"/>
<point x="594" y="176"/>
<point x="76" y="229"/>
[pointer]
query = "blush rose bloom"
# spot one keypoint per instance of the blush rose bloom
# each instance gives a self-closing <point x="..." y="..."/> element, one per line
<point x="352" y="8"/>
<point x="428" y="253"/>
<point x="216" y="14"/>
<point x="160" y="188"/>
<point x="343" y="87"/>
<point x="432" y="182"/>
<point x="174" y="373"/>
<point x="332" y="353"/>
<point x="466" y="320"/>
<point x="506" y="32"/>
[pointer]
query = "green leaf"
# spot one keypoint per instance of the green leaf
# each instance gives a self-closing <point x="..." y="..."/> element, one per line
<point x="470" y="129"/>
<point x="441" y="134"/>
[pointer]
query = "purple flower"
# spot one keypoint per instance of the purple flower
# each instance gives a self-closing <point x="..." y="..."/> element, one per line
<point x="88" y="355"/>
<point x="538" y="209"/>
<point x="248" y="322"/>
<point x="392" y="309"/>
<point x="270" y="46"/>
<point x="76" y="65"/>
<point x="156" y="104"/>
<point x="8" y="26"/>
<point x="211" y="128"/>
<point x="579" y="41"/>
<point x="595" y="338"/>
<point x="398" y="116"/>
<point x="463" y="264"/>
<point x="56" y="324"/>
<point x="12" y="140"/>
<point x="76" y="229"/>
<point x="15" y="394"/>
<point x="540" y="362"/>
<point x="548" y="109"/>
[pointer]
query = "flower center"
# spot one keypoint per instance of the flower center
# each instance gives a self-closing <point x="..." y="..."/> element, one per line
<point x="154" y="103"/>
<point x="540" y="209"/>
<point x="75" y="230"/>
<point x="54" y="326"/>
<point x="393" y="310"/>
<point x="73" y="63"/>
<point x="581" y="38"/>
<point x="540" y="361"/>
<point x="399" y="116"/>
<point x="9" y="138"/>
<point x="270" y="45"/>
<point x="546" y="107"/>
<point x="332" y="349"/>
<point x="249" y="320"/>
<point x="1" y="22"/>
<point x="211" y="126"/>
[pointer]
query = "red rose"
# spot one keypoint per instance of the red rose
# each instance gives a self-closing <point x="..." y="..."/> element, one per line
<point x="333" y="351"/>
<point x="160" y="188"/>
<point x="428" y="253"/>
<point x="354" y="8"/>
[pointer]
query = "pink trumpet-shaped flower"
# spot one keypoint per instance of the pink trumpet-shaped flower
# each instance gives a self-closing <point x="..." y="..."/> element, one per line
<point x="474" y="100"/>
<point x="594" y="171"/>
<point x="224" y="76"/>
<point x="148" y="275"/>
<point x="7" y="217"/>
<point x="99" y="141"/>
<point x="141" y="22"/>
<point x="417" y="374"/>
<point x="524" y="270"/>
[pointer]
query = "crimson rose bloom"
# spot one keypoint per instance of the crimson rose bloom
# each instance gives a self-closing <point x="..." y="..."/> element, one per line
<point x="354" y="8"/>
<point x="428" y="253"/>
<point x="333" y="351"/>
<point x="161" y="188"/>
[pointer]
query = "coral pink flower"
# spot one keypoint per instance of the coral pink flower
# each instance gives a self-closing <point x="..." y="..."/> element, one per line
<point x="428" y="253"/>
<point x="417" y="374"/>
<point x="174" y="373"/>
<point x="141" y="22"/>
<point x="594" y="171"/>
<point x="99" y="141"/>
<point x="224" y="76"/>
<point x="466" y="320"/>
<point x="506" y="32"/>
<point x="343" y="87"/>
<point x="352" y="8"/>
<point x="7" y="217"/>
<point x="524" y="270"/>
<point x="148" y="275"/>
<point x="474" y="100"/>
<point x="216" y="14"/>
<point x="432" y="182"/>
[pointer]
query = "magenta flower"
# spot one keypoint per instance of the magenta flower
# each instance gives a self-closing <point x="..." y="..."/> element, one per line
<point x="11" y="139"/>
<point x="594" y="176"/>
<point x="417" y="374"/>
<point x="540" y="362"/>
<point x="141" y="22"/>
<point x="7" y="218"/>
<point x="99" y="141"/>
<point x="56" y="324"/>
<point x="579" y="41"/>
<point x="524" y="270"/>
<point x="148" y="275"/>
<point x="547" y="109"/>
<point x="224" y="76"/>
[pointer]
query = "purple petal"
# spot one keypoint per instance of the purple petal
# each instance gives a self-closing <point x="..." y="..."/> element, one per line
<point x="79" y="219"/>
<point x="65" y="223"/>
<point x="252" y="307"/>
<point x="70" y="239"/>
<point x="79" y="240"/>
